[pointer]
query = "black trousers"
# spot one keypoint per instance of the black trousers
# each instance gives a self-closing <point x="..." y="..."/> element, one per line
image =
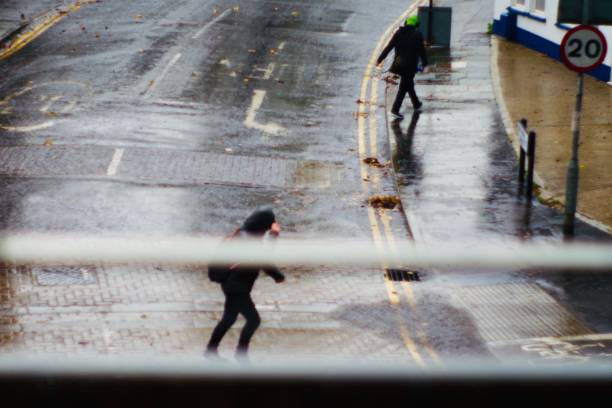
<point x="236" y="303"/>
<point x="406" y="86"/>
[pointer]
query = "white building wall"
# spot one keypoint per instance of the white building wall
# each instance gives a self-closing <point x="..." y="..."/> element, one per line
<point x="548" y="29"/>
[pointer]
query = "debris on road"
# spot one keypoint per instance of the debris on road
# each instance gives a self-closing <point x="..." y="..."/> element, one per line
<point x="373" y="162"/>
<point x="385" y="201"/>
<point x="48" y="142"/>
<point x="390" y="79"/>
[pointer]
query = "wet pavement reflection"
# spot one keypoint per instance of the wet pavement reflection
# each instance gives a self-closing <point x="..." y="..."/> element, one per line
<point x="457" y="175"/>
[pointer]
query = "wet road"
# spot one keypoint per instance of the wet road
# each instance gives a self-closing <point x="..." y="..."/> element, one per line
<point x="180" y="118"/>
<point x="187" y="77"/>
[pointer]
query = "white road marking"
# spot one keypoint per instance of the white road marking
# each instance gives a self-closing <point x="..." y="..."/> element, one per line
<point x="271" y="128"/>
<point x="69" y="107"/>
<point x="114" y="164"/>
<point x="267" y="72"/>
<point x="50" y="103"/>
<point x="170" y="102"/>
<point x="32" y="128"/>
<point x="210" y="23"/>
<point x="164" y="72"/>
<point x="281" y="46"/>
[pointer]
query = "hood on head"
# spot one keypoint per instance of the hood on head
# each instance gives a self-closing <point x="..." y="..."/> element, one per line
<point x="259" y="221"/>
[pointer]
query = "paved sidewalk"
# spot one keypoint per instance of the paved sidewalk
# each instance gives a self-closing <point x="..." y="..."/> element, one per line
<point x="457" y="175"/>
<point x="456" y="167"/>
<point x="542" y="90"/>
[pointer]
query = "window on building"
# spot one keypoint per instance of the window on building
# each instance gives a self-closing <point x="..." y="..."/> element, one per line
<point x="540" y="5"/>
<point x="522" y="3"/>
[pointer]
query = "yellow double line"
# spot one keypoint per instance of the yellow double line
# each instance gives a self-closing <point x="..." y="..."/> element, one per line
<point x="36" y="31"/>
<point x="367" y="129"/>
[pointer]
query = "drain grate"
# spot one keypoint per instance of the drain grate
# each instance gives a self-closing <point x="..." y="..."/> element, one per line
<point x="64" y="275"/>
<point x="402" y="275"/>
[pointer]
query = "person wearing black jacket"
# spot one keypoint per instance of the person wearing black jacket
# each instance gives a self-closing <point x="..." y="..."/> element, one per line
<point x="239" y="283"/>
<point x="409" y="48"/>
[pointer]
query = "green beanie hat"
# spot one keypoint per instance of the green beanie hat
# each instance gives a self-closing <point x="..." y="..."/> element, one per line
<point x="412" y="21"/>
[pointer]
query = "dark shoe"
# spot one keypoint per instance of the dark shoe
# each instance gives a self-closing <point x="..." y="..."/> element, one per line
<point x="397" y="116"/>
<point x="418" y="105"/>
<point x="211" y="354"/>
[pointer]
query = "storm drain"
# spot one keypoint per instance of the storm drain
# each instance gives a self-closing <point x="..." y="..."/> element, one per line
<point x="402" y="275"/>
<point x="64" y="276"/>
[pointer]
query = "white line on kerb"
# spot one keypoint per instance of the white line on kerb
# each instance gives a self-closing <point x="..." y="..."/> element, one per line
<point x="210" y="23"/>
<point x="164" y="72"/>
<point x="114" y="164"/>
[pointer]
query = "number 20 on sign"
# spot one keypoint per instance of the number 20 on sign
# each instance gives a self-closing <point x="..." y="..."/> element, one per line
<point x="583" y="48"/>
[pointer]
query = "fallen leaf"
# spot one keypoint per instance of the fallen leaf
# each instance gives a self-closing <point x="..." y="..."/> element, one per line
<point x="52" y="114"/>
<point x="151" y="82"/>
<point x="385" y="201"/>
<point x="373" y="162"/>
<point x="236" y="9"/>
<point x="295" y="13"/>
<point x="251" y="50"/>
<point x="97" y="35"/>
<point x="138" y="17"/>
<point x="48" y="142"/>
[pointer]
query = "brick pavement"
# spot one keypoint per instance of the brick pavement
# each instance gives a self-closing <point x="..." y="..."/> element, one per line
<point x="172" y="311"/>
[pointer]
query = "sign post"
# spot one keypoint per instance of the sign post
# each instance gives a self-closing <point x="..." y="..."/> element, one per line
<point x="583" y="49"/>
<point x="430" y="22"/>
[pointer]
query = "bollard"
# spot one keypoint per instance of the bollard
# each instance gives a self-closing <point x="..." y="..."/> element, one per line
<point x="530" y="163"/>
<point x="527" y="141"/>
<point x="522" y="127"/>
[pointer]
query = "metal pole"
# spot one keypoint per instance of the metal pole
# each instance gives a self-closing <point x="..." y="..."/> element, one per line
<point x="522" y="152"/>
<point x="430" y="23"/>
<point x="571" y="188"/>
<point x="531" y="163"/>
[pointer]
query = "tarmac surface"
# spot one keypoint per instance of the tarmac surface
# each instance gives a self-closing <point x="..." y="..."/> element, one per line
<point x="157" y="119"/>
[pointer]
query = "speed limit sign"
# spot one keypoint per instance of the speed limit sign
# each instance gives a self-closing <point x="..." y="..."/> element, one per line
<point x="583" y="48"/>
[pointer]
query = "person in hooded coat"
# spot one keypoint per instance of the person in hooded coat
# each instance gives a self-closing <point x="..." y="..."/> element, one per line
<point x="409" y="48"/>
<point x="239" y="283"/>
